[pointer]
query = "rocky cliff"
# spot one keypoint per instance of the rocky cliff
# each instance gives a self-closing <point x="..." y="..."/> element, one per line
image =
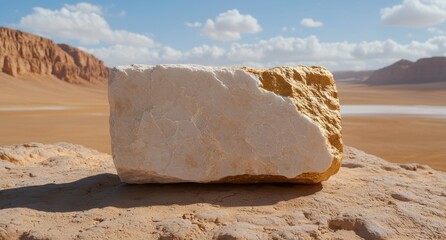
<point x="425" y="70"/>
<point x="22" y="53"/>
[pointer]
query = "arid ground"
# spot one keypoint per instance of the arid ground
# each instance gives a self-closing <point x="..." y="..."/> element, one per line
<point x="84" y="119"/>
<point x="397" y="138"/>
<point x="66" y="191"/>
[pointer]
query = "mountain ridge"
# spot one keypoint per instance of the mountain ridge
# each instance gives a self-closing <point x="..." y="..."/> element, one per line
<point x="424" y="70"/>
<point x="22" y="53"/>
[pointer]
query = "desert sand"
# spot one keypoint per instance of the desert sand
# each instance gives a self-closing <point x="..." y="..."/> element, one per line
<point x="394" y="138"/>
<point x="66" y="191"/>
<point x="351" y="92"/>
<point x="85" y="121"/>
<point x="397" y="138"/>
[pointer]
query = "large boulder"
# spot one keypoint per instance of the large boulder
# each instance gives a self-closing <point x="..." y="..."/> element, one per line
<point x="189" y="123"/>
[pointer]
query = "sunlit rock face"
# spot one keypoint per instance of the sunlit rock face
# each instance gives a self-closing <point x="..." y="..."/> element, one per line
<point x="190" y="123"/>
<point x="23" y="53"/>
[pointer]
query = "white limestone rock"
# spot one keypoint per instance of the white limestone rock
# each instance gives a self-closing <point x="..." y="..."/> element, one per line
<point x="190" y="123"/>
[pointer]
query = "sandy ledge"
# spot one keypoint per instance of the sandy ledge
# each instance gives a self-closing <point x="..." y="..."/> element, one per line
<point x="66" y="191"/>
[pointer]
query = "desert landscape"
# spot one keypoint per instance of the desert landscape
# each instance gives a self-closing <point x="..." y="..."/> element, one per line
<point x="397" y="138"/>
<point x="41" y="108"/>
<point x="47" y="110"/>
<point x="385" y="168"/>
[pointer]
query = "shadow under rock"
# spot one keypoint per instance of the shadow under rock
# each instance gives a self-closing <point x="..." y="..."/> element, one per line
<point x="105" y="190"/>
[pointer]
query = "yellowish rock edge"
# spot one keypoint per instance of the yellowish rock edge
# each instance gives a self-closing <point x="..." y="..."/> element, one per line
<point x="313" y="91"/>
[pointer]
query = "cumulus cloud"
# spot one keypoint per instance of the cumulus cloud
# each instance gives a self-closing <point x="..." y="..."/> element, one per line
<point x="282" y="51"/>
<point x="415" y="13"/>
<point x="85" y="23"/>
<point x="229" y="26"/>
<point x="84" y="7"/>
<point x="82" y="22"/>
<point x="311" y="23"/>
<point x="127" y="54"/>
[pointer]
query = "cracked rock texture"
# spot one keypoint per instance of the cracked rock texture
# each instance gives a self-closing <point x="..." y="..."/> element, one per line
<point x="190" y="123"/>
<point x="25" y="53"/>
<point x="66" y="191"/>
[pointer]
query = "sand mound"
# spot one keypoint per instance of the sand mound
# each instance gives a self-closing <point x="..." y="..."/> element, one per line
<point x="66" y="191"/>
<point x="38" y="154"/>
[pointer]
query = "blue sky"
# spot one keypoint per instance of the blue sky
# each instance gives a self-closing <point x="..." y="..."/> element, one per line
<point x="338" y="34"/>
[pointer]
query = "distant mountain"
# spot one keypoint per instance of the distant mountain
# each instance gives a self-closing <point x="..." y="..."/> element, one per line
<point x="425" y="70"/>
<point x="352" y="75"/>
<point x="25" y="53"/>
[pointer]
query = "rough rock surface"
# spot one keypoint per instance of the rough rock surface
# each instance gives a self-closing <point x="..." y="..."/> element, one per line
<point x="66" y="191"/>
<point x="25" y="53"/>
<point x="424" y="70"/>
<point x="190" y="123"/>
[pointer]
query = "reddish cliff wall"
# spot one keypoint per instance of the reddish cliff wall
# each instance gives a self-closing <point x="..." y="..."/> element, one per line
<point x="22" y="53"/>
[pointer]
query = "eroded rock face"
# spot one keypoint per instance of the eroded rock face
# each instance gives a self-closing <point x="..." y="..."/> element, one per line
<point x="22" y="53"/>
<point x="189" y="123"/>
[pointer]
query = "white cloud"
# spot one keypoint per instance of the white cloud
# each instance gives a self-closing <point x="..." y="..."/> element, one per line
<point x="193" y="24"/>
<point x="415" y="13"/>
<point x="229" y="26"/>
<point x="123" y="54"/>
<point x="282" y="51"/>
<point x="84" y="7"/>
<point x="86" y="24"/>
<point x="436" y="31"/>
<point x="311" y="23"/>
<point x="82" y="22"/>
